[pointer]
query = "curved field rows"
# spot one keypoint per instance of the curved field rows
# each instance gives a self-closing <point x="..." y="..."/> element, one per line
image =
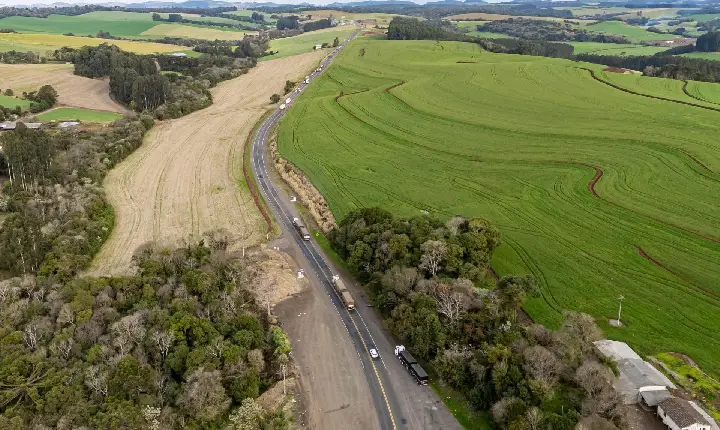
<point x="186" y="178"/>
<point x="75" y="91"/>
<point x="522" y="141"/>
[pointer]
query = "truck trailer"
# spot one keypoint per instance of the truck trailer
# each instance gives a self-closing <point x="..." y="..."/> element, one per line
<point x="411" y="364"/>
<point x="343" y="292"/>
<point x="300" y="227"/>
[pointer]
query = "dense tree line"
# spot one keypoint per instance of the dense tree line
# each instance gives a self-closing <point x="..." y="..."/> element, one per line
<point x="59" y="216"/>
<point x="413" y="29"/>
<point x="288" y="23"/>
<point x="431" y="10"/>
<point x="136" y="79"/>
<point x="428" y="279"/>
<point x="532" y="29"/>
<point x="317" y="25"/>
<point x="43" y="99"/>
<point x="708" y="42"/>
<point x="183" y="344"/>
<point x="16" y="57"/>
<point x="176" y="17"/>
<point x="665" y="66"/>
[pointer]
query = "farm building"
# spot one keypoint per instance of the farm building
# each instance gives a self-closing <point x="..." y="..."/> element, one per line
<point x="7" y="126"/>
<point x="678" y="414"/>
<point x="636" y="375"/>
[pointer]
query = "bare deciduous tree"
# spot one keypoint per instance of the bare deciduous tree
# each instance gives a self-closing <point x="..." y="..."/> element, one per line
<point x="455" y="224"/>
<point x="129" y="331"/>
<point x="593" y="378"/>
<point x="501" y="408"/>
<point x="30" y="336"/>
<point x="204" y="395"/>
<point x="62" y="348"/>
<point x="256" y="360"/>
<point x="163" y="340"/>
<point x="582" y="327"/>
<point x="542" y="364"/>
<point x="96" y="380"/>
<point x="534" y="417"/>
<point x="216" y="347"/>
<point x="66" y="316"/>
<point x="451" y="302"/>
<point x="434" y="252"/>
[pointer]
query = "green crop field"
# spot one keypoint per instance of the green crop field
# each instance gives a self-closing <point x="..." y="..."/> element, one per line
<point x="703" y="17"/>
<point x="662" y="87"/>
<point x="519" y="140"/>
<point x="614" y="48"/>
<point x="116" y="23"/>
<point x="72" y="114"/>
<point x="707" y="91"/>
<point x="706" y="55"/>
<point x="635" y="34"/>
<point x="11" y="102"/>
<point x="305" y="42"/>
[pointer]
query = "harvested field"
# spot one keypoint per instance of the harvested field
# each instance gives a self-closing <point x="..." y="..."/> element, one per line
<point x="75" y="91"/>
<point x="577" y="173"/>
<point x="42" y="43"/>
<point x="186" y="178"/>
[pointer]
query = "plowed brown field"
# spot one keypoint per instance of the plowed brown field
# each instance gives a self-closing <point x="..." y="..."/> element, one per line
<point x="75" y="91"/>
<point x="186" y="179"/>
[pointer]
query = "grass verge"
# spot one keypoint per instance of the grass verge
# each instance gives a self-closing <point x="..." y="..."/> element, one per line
<point x="460" y="409"/>
<point x="77" y="114"/>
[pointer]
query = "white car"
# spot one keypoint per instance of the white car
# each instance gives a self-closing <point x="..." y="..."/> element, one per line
<point x="374" y="353"/>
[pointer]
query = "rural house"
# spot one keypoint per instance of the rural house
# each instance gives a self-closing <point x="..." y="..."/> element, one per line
<point x="678" y="414"/>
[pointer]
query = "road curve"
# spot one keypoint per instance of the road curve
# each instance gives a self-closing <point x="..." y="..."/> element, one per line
<point x="384" y="398"/>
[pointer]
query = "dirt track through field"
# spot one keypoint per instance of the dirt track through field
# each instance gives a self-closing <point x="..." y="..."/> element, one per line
<point x="186" y="179"/>
<point x="75" y="91"/>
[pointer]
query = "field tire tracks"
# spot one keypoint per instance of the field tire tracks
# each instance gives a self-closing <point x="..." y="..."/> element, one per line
<point x="625" y="90"/>
<point x="659" y="264"/>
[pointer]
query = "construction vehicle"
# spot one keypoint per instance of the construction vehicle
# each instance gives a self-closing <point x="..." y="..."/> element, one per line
<point x="301" y="228"/>
<point x="343" y="292"/>
<point x="411" y="364"/>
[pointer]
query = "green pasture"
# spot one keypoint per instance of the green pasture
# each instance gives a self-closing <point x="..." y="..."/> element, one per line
<point x="635" y="34"/>
<point x="77" y="114"/>
<point x="11" y="102"/>
<point x="702" y="17"/>
<point x="706" y="55"/>
<point x="116" y="23"/>
<point x="305" y="42"/>
<point x="614" y="48"/>
<point x="516" y="139"/>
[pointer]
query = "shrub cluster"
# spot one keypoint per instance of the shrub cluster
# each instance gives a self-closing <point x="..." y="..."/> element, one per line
<point x="427" y="278"/>
<point x="182" y="344"/>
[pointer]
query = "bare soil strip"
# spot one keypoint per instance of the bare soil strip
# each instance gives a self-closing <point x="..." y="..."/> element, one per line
<point x="644" y="255"/>
<point x="75" y="91"/>
<point x="187" y="177"/>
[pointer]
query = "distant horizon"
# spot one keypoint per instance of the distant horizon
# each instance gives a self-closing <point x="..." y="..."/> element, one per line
<point x="129" y="2"/>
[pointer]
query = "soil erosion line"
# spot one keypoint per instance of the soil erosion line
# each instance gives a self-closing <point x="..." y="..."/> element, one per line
<point x="592" y="73"/>
<point x="674" y="273"/>
<point x="591" y="189"/>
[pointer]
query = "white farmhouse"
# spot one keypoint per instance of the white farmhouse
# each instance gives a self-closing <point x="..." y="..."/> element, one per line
<point x="678" y="414"/>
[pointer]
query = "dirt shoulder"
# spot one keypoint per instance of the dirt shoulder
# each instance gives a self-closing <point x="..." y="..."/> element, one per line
<point x="186" y="178"/>
<point x="332" y="392"/>
<point x="74" y="91"/>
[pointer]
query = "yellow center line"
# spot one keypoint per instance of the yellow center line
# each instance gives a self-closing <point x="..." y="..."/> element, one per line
<point x="377" y="375"/>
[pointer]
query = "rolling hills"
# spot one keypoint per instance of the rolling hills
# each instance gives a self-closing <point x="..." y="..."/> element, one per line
<point x="598" y="192"/>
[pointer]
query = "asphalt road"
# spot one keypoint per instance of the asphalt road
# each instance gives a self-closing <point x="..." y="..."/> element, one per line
<point x="417" y="407"/>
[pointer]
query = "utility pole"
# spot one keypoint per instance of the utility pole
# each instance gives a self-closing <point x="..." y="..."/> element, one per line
<point x="620" y="299"/>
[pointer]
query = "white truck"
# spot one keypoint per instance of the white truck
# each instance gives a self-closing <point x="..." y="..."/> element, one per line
<point x="287" y="102"/>
<point x="282" y="106"/>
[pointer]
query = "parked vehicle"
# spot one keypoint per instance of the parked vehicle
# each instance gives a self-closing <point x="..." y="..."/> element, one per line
<point x="411" y="364"/>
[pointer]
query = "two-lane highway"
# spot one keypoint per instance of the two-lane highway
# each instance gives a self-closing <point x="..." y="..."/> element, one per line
<point x="384" y="398"/>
